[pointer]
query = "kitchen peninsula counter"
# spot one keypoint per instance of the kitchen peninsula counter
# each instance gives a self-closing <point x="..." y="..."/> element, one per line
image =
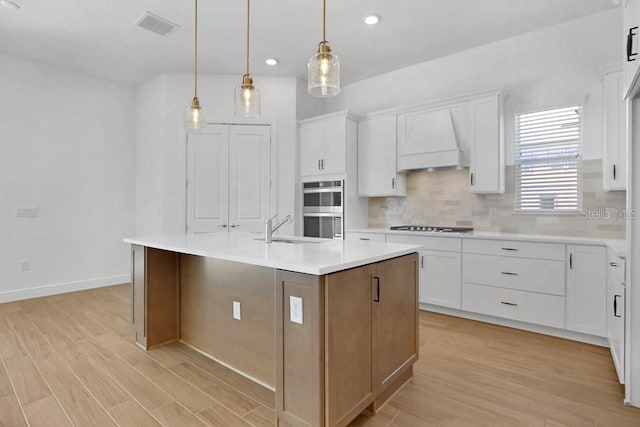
<point x="337" y="319"/>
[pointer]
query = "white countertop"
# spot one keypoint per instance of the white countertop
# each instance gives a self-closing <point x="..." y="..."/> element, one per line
<point x="618" y="246"/>
<point x="312" y="258"/>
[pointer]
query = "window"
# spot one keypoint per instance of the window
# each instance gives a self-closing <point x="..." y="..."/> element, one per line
<point x="548" y="162"/>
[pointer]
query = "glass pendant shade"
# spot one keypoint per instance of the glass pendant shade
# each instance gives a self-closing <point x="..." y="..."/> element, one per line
<point x="194" y="116"/>
<point x="247" y="98"/>
<point x="324" y="72"/>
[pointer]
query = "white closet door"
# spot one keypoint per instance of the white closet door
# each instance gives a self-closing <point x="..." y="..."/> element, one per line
<point x="249" y="177"/>
<point x="208" y="180"/>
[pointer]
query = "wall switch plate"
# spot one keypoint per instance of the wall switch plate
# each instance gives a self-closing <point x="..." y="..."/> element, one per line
<point x="236" y="310"/>
<point x="24" y="265"/>
<point x="295" y="309"/>
<point x="493" y="212"/>
<point x="27" y="212"/>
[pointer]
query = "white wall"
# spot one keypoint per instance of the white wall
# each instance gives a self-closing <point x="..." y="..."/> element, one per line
<point x="161" y="150"/>
<point x="67" y="148"/>
<point x="551" y="67"/>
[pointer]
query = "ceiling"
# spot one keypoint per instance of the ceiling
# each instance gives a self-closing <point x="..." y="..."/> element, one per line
<point x="100" y="37"/>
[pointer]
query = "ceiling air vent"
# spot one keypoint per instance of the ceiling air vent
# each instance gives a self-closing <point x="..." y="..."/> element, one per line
<point x="157" y="24"/>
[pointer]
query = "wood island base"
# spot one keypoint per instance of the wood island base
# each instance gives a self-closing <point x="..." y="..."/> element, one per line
<point x="354" y="348"/>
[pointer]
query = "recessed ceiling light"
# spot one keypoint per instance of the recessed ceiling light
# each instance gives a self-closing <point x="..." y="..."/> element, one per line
<point x="271" y="61"/>
<point x="372" y="19"/>
<point x="9" y="4"/>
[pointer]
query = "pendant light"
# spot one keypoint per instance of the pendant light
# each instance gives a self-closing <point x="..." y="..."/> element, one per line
<point x="194" y="117"/>
<point x="324" y="67"/>
<point x="247" y="95"/>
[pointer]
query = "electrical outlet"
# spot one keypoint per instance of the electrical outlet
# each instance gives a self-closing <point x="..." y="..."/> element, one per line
<point x="24" y="265"/>
<point x="236" y="310"/>
<point x="27" y="212"/>
<point x="295" y="309"/>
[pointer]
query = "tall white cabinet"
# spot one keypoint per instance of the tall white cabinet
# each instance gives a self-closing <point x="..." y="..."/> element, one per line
<point x="377" y="162"/>
<point x="487" y="160"/>
<point x="228" y="178"/>
<point x="614" y="153"/>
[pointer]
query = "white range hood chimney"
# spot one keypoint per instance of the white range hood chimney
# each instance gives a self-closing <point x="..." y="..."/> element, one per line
<point x="428" y="140"/>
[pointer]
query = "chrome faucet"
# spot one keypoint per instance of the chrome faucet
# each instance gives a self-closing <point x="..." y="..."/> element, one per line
<point x="269" y="229"/>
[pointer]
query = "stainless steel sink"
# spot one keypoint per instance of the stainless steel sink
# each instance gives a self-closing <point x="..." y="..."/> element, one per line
<point x="294" y="241"/>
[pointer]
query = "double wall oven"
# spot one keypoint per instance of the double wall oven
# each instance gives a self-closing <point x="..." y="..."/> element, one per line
<point x="323" y="209"/>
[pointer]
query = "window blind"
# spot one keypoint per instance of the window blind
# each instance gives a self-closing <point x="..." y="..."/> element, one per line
<point x="548" y="162"/>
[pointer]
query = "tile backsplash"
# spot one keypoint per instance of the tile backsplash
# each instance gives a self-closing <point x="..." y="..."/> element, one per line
<point x="443" y="198"/>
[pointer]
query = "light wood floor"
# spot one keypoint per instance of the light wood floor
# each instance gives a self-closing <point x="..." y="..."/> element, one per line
<point x="70" y="360"/>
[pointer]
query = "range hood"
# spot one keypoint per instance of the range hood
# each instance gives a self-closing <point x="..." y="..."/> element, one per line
<point x="427" y="139"/>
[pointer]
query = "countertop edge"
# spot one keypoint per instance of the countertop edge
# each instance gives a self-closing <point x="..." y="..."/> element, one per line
<point x="616" y="245"/>
<point x="298" y="268"/>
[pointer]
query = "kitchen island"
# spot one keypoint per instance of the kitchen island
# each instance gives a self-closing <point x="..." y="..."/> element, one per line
<point x="329" y="325"/>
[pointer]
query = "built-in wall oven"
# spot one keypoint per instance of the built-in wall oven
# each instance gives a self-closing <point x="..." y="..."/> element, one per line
<point x="323" y="209"/>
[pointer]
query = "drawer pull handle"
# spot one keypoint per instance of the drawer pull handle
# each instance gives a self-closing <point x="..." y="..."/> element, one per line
<point x="512" y="304"/>
<point x="615" y="306"/>
<point x="506" y="273"/>
<point x="509" y="249"/>
<point x="613" y="264"/>
<point x="364" y="238"/>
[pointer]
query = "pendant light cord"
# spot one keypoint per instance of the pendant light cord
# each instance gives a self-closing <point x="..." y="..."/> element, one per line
<point x="248" y="14"/>
<point x="195" y="55"/>
<point x="324" y="20"/>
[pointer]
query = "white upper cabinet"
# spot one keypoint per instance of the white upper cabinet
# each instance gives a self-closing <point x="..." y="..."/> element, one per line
<point x="323" y="144"/>
<point x="377" y="169"/>
<point x="586" y="289"/>
<point x="427" y="138"/>
<point x="631" y="58"/>
<point x="614" y="159"/>
<point x="487" y="159"/>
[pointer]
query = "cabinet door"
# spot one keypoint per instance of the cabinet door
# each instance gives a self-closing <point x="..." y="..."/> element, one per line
<point x="208" y="180"/>
<point x="333" y="159"/>
<point x="615" y="316"/>
<point x="486" y="171"/>
<point x="249" y="176"/>
<point x="440" y="278"/>
<point x="395" y="299"/>
<point x="631" y="42"/>
<point x="377" y="170"/>
<point x="348" y="384"/>
<point x="614" y="160"/>
<point x="311" y="141"/>
<point x="586" y="289"/>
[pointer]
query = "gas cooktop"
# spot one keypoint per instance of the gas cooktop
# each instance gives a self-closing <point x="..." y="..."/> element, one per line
<point x="431" y="228"/>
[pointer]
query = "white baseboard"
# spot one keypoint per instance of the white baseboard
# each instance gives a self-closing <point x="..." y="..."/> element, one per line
<point x="61" y="288"/>
<point x="546" y="330"/>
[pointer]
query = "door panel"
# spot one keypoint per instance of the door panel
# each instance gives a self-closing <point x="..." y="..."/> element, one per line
<point x="229" y="178"/>
<point x="208" y="179"/>
<point x="249" y="177"/>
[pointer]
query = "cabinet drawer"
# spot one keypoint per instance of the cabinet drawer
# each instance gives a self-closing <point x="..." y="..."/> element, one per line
<point x="547" y="310"/>
<point x="374" y="237"/>
<point x="525" y="274"/>
<point x="554" y="251"/>
<point x="450" y="244"/>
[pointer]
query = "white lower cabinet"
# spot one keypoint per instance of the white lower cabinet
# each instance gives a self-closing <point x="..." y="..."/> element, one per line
<point x="541" y="309"/>
<point x="615" y="312"/>
<point x="440" y="278"/>
<point x="518" y="280"/>
<point x="440" y="268"/>
<point x="586" y="289"/>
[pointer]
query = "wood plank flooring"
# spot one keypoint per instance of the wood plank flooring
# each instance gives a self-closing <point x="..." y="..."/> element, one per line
<point x="69" y="360"/>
